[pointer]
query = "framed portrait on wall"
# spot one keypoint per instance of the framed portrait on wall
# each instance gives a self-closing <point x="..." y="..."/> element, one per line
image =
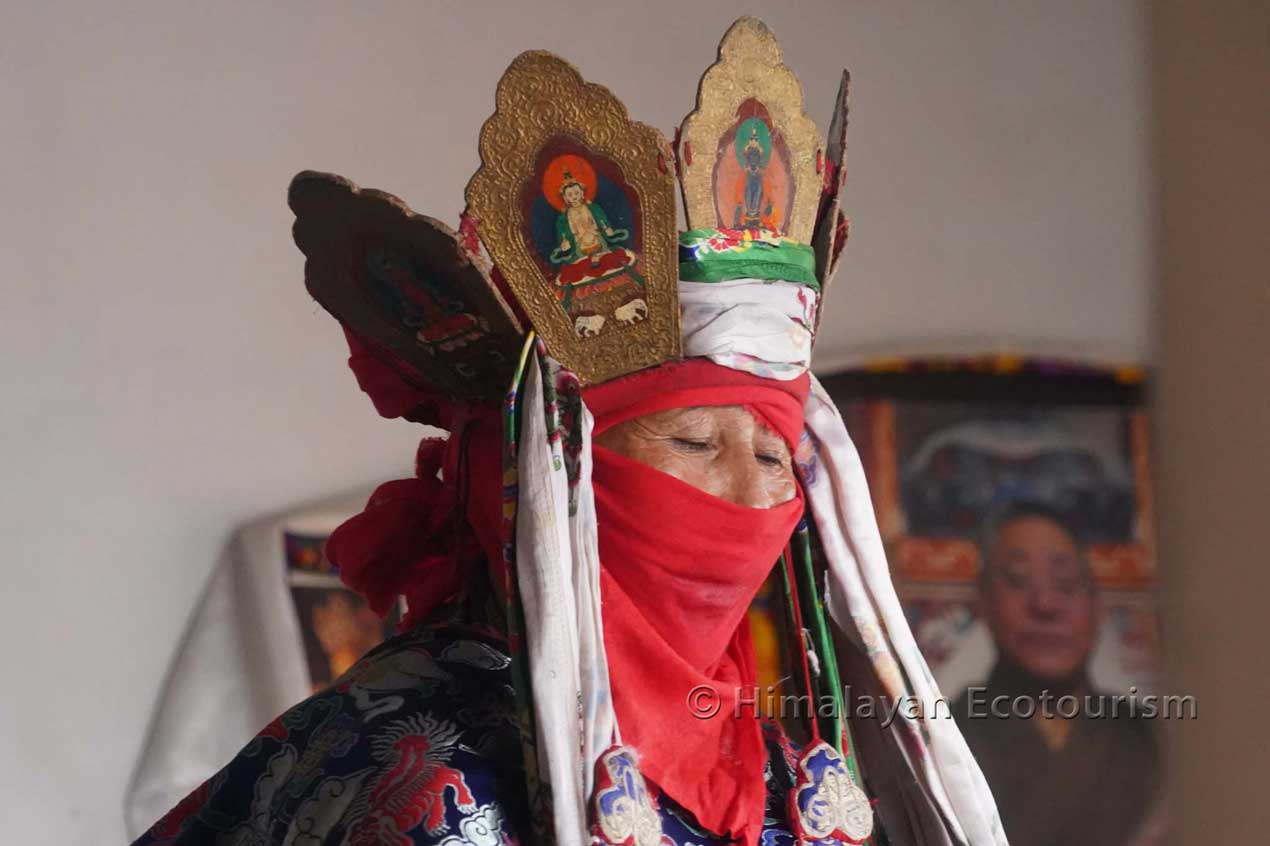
<point x="947" y="444"/>
<point x="1015" y="501"/>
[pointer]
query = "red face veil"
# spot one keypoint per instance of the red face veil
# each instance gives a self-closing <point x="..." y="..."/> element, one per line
<point x="679" y="568"/>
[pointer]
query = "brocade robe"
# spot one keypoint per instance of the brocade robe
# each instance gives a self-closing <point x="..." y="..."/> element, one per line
<point x="415" y="745"/>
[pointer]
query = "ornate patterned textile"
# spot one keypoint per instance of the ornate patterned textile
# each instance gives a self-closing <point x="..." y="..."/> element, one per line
<point x="415" y="745"/>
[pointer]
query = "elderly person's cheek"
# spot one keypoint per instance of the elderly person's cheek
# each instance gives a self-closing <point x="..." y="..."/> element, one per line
<point x="783" y="488"/>
<point x="761" y="484"/>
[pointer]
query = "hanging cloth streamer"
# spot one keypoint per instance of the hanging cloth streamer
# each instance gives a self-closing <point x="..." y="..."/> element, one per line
<point x="557" y="568"/>
<point x="862" y="598"/>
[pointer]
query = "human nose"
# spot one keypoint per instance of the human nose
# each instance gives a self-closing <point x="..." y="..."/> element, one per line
<point x="739" y="486"/>
<point x="1045" y="601"/>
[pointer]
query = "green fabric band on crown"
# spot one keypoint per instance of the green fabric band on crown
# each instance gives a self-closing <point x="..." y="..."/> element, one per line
<point x="717" y="255"/>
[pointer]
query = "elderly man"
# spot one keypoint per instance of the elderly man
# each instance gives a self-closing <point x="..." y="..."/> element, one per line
<point x="1065" y="763"/>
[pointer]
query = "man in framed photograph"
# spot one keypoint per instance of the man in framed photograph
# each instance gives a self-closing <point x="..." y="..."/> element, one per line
<point x="1065" y="761"/>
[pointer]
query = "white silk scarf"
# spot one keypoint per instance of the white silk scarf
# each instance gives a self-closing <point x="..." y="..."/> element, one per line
<point x="862" y="598"/>
<point x="558" y="574"/>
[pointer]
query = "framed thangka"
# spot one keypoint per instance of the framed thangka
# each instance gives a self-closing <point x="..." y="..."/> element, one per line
<point x="749" y="157"/>
<point x="1015" y="501"/>
<point x="575" y="202"/>
<point x="953" y="448"/>
<point x="336" y="625"/>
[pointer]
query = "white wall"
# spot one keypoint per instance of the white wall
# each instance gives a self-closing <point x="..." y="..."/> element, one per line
<point x="166" y="378"/>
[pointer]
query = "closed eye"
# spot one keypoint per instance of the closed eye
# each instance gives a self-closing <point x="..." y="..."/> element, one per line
<point x="692" y="445"/>
<point x="771" y="460"/>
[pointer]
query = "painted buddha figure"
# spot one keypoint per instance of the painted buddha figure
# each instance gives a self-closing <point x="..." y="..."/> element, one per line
<point x="583" y="228"/>
<point x="755" y="207"/>
<point x="587" y="251"/>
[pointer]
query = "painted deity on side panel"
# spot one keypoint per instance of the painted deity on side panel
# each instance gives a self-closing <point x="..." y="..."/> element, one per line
<point x="423" y="303"/>
<point x="753" y="180"/>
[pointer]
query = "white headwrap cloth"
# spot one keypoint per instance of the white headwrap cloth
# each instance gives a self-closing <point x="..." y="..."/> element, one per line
<point x="764" y="328"/>
<point x="753" y="325"/>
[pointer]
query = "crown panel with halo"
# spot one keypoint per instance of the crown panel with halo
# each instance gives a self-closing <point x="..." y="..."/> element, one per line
<point x="404" y="284"/>
<point x="749" y="158"/>
<point x="575" y="202"/>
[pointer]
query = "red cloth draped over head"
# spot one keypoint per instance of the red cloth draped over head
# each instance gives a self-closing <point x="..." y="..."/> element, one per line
<point x="679" y="567"/>
<point x="415" y="539"/>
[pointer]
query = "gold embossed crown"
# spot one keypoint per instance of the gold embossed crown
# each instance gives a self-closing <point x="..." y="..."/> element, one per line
<point x="575" y="204"/>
